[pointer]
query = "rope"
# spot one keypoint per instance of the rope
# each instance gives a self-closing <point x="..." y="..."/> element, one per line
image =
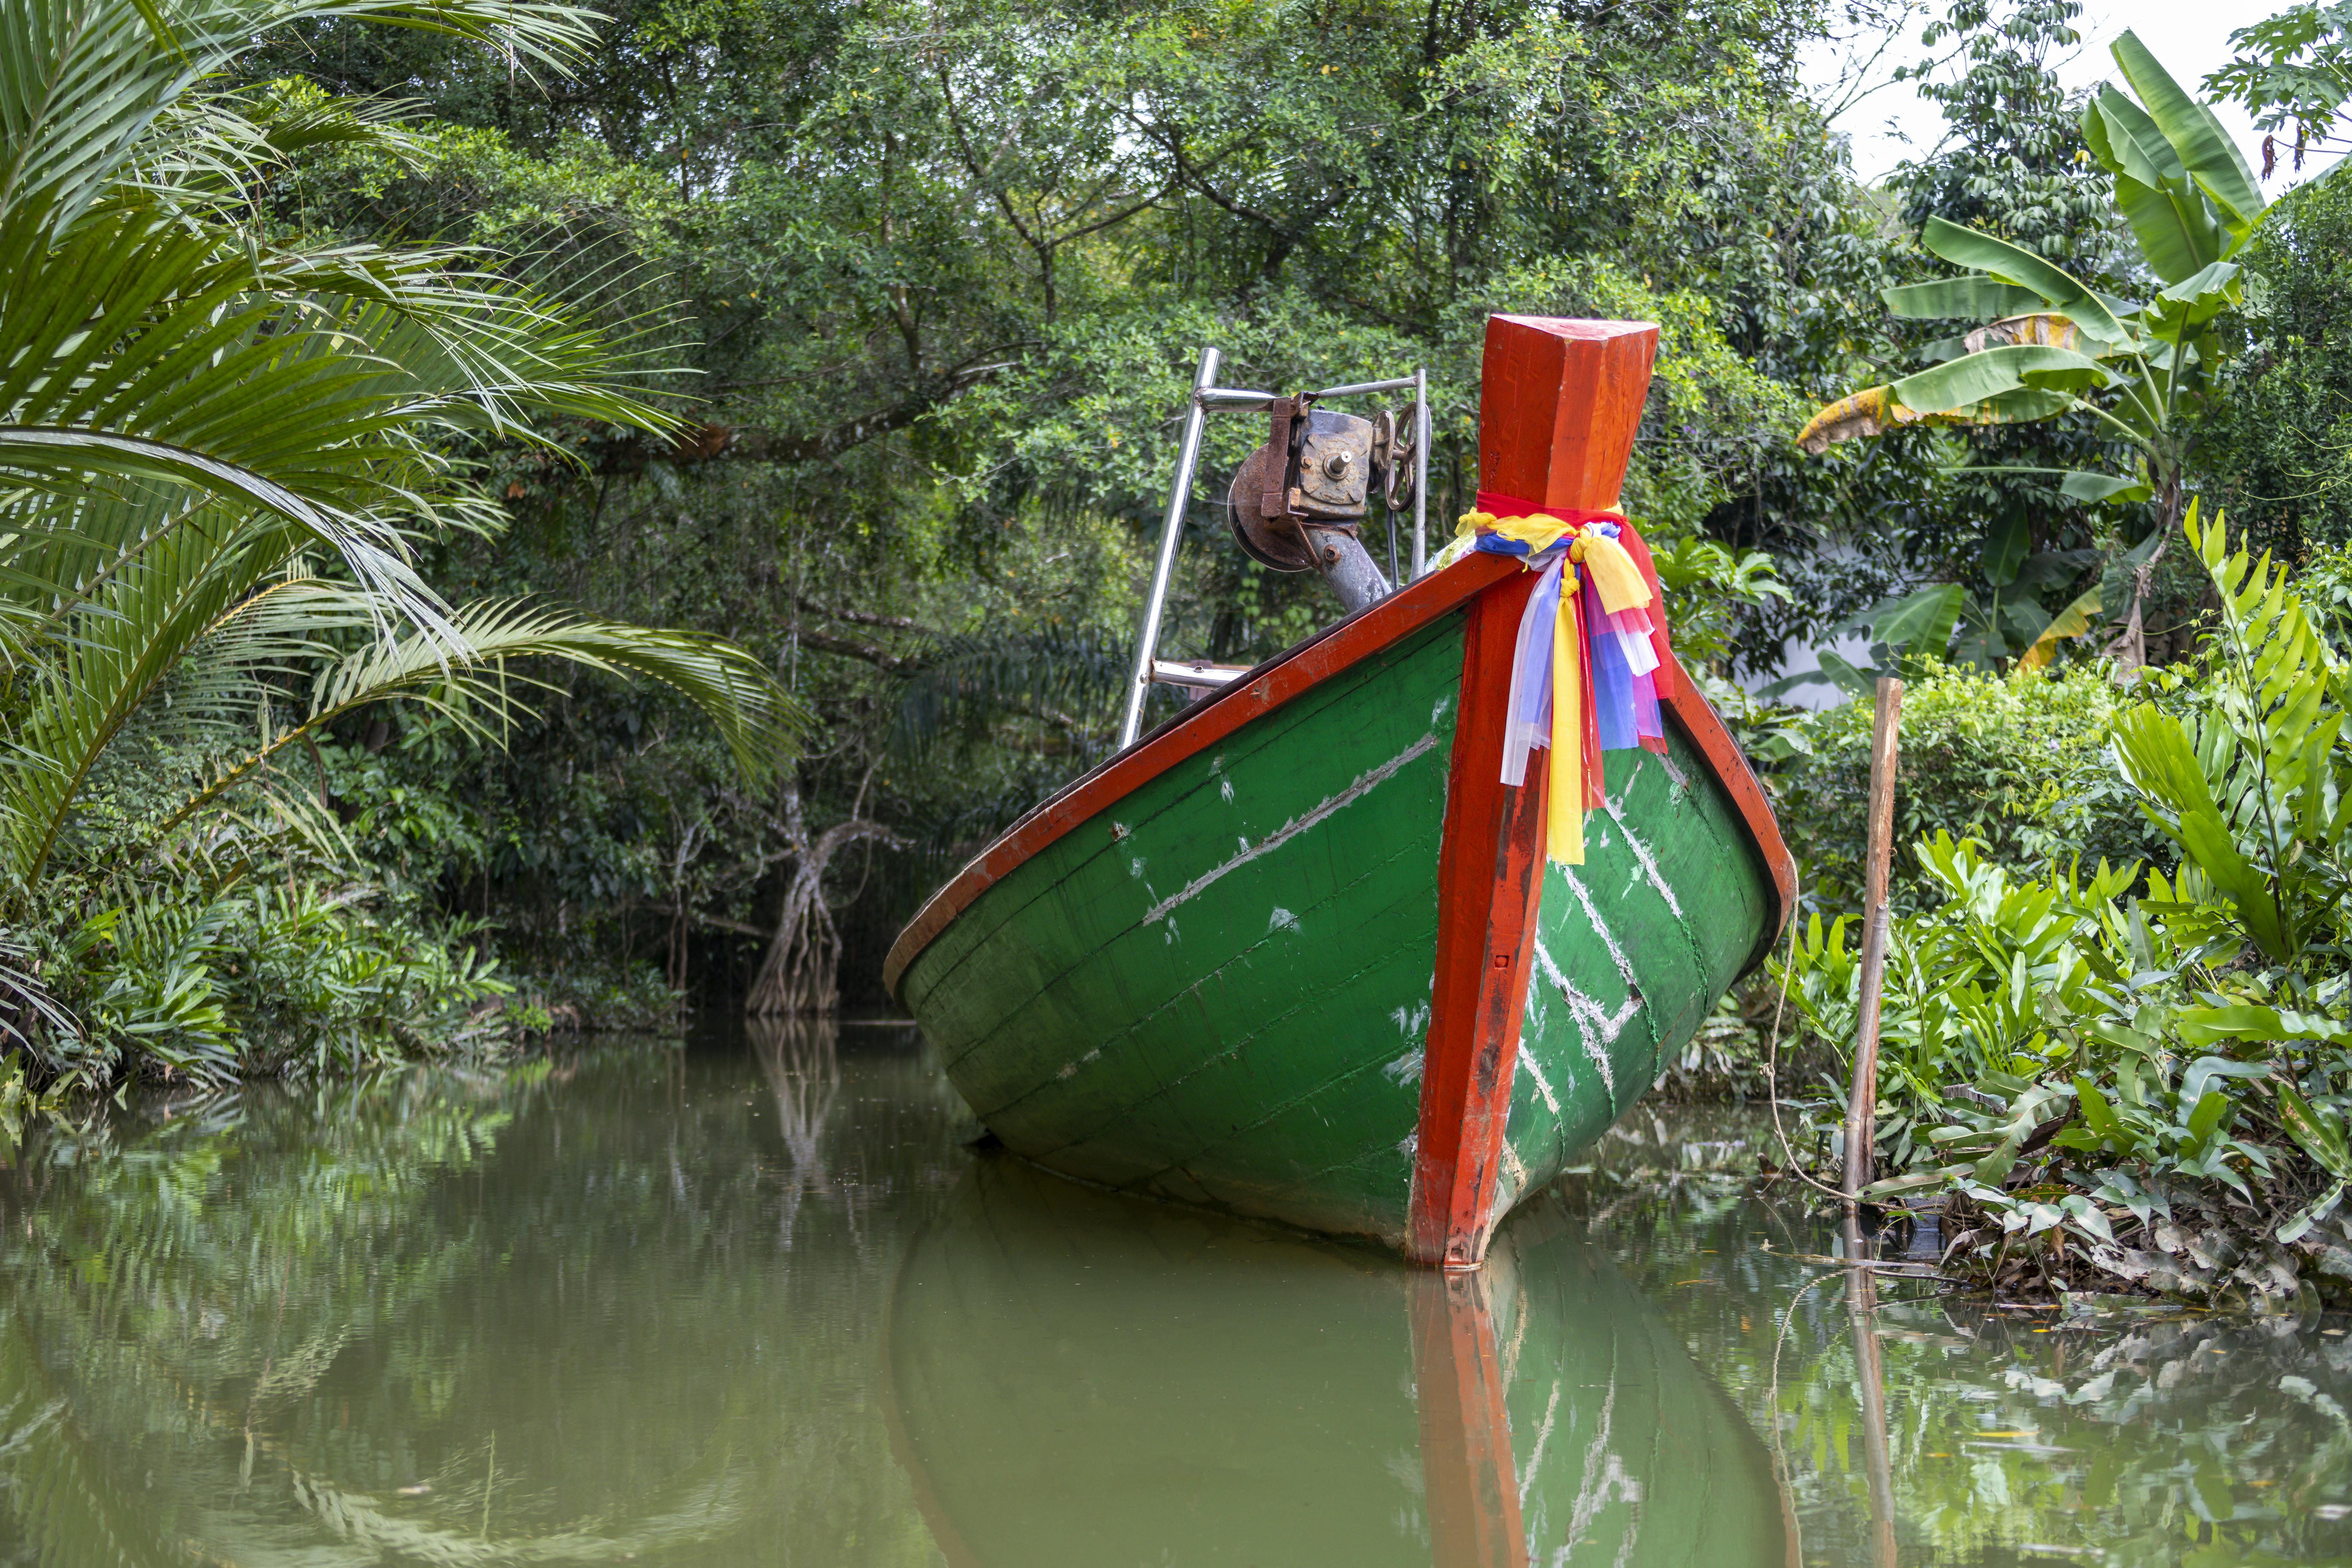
<point x="1772" y="1055"/>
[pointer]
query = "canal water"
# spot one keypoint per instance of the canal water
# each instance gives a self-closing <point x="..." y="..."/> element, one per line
<point x="758" y="1301"/>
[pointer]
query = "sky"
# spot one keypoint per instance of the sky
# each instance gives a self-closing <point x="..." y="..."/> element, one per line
<point x="2191" y="37"/>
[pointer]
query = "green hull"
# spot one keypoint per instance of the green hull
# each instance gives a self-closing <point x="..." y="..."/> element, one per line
<point x="1216" y="987"/>
<point x="1079" y="1379"/>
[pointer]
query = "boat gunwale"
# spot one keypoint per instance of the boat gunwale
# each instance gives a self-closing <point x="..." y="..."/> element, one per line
<point x="1290" y="674"/>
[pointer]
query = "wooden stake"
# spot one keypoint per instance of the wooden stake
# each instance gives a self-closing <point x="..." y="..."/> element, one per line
<point x="1862" y="1106"/>
<point x="1870" y="1369"/>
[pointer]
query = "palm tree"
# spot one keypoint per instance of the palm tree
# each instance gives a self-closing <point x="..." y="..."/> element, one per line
<point x="216" y="448"/>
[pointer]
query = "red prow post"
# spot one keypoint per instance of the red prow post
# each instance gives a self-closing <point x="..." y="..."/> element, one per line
<point x="1560" y="402"/>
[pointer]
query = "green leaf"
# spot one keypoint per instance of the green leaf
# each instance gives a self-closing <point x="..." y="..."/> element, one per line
<point x="2206" y="1116"/>
<point x="2006" y="544"/>
<point x="2162" y="764"/>
<point x="2247" y="1021"/>
<point x="2175" y="227"/>
<point x="1975" y="379"/>
<point x="1843" y="674"/>
<point x="1924" y="617"/>
<point x="2097" y="1112"/>
<point x="2204" y="148"/>
<point x="2058" y="288"/>
<point x="2320" y="1132"/>
<point x="2095" y="489"/>
<point x="2312" y="1212"/>
<point x="1911" y="1182"/>
<point x="2187" y="305"/>
<point x="2085" y="1216"/>
<point x="2126" y="141"/>
<point x="1975" y="298"/>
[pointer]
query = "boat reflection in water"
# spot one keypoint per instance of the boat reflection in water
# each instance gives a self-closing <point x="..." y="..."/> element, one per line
<point x="1076" y="1377"/>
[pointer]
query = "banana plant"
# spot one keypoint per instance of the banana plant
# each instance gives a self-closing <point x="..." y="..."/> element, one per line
<point x="2050" y="345"/>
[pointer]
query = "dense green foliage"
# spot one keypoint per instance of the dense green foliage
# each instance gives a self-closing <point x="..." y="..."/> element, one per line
<point x="2057" y="344"/>
<point x="2277" y="448"/>
<point x="2018" y="765"/>
<point x="874" y="323"/>
<point x="221" y="449"/>
<point x="940" y="277"/>
<point x="2153" y="1058"/>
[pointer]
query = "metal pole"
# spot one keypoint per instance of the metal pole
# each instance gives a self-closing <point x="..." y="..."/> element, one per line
<point x="1172" y="530"/>
<point x="1421" y="471"/>
<point x="1354" y="387"/>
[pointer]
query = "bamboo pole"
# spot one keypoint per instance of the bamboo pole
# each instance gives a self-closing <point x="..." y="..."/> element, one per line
<point x="1861" y="1105"/>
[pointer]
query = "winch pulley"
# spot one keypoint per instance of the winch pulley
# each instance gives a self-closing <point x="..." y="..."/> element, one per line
<point x="1296" y="502"/>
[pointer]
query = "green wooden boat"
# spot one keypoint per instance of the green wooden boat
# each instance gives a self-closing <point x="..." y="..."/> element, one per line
<point x="1298" y="955"/>
<point x="1074" y="1377"/>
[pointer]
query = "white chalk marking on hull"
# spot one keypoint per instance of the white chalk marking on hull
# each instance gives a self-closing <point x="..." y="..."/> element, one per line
<point x="1642" y="853"/>
<point x="1366" y="781"/>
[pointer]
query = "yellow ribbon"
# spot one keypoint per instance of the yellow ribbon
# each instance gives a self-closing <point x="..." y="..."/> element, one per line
<point x="1622" y="585"/>
<point x="1538" y="533"/>
<point x="1564" y="812"/>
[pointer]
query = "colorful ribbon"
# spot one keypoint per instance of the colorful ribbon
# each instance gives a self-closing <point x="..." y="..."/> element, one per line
<point x="1600" y="642"/>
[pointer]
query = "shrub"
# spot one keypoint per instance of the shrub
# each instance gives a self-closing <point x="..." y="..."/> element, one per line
<point x="2153" y="1067"/>
<point x="2019" y="763"/>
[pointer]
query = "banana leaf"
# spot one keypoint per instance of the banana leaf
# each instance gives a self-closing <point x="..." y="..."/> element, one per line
<point x="1924" y="619"/>
<point x="2177" y="228"/>
<point x="2006" y="544"/>
<point x="2074" y="621"/>
<point x="1870" y="412"/>
<point x="2057" y="288"/>
<point x="2176" y="224"/>
<point x="2193" y="302"/>
<point x="1844" y="676"/>
<point x="2095" y="489"/>
<point x="1875" y="410"/>
<point x="2205" y="149"/>
<point x="1978" y="378"/>
<point x="2126" y="141"/>
<point x="1975" y="298"/>
<point x="2045" y="327"/>
<point x="2072" y="483"/>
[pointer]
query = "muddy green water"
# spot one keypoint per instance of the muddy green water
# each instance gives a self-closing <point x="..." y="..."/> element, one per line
<point x="756" y="1302"/>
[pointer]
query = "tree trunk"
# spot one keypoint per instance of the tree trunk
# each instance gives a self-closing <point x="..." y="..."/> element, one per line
<point x="2129" y="650"/>
<point x="801" y="971"/>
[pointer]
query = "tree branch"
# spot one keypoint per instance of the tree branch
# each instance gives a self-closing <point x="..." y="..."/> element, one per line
<point x="705" y="443"/>
<point x="879" y="657"/>
<point x="860" y="617"/>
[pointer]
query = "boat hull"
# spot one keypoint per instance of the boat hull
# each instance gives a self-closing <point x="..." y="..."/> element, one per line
<point x="1219" y="985"/>
<point x="1299" y="953"/>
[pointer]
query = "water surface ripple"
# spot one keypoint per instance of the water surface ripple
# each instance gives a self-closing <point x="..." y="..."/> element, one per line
<point x="758" y="1301"/>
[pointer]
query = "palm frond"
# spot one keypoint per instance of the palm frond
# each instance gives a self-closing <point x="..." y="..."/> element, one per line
<point x="476" y="687"/>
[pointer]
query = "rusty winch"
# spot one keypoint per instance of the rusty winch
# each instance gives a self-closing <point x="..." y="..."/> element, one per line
<point x="1298" y="501"/>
